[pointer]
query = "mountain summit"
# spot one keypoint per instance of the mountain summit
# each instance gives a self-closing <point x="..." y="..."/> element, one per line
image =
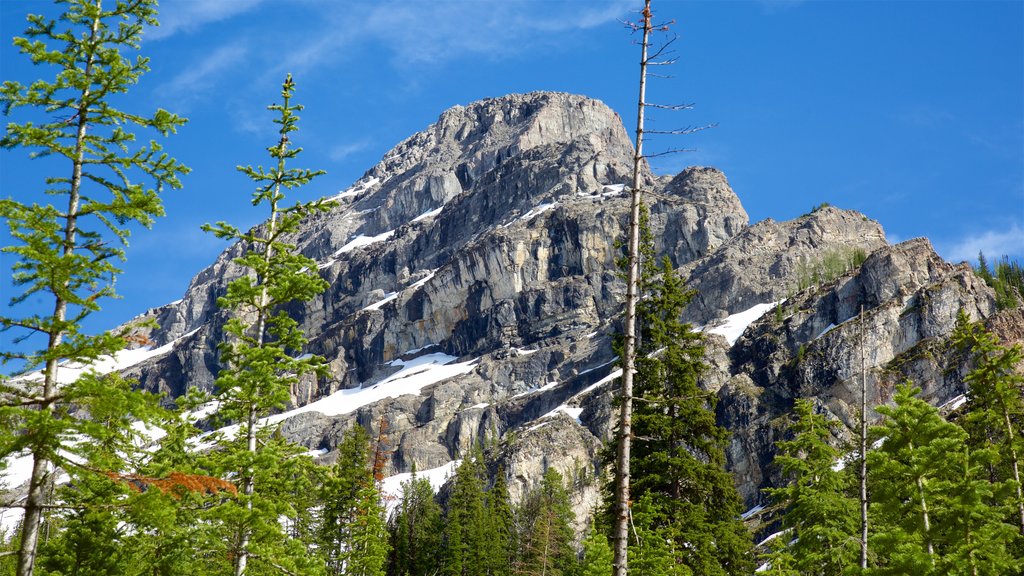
<point x="474" y="293"/>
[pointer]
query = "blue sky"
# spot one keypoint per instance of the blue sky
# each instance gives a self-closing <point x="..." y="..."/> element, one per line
<point x="911" y="112"/>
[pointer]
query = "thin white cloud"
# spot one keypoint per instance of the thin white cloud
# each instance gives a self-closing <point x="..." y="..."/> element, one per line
<point x="342" y="151"/>
<point x="196" y="81"/>
<point x="186" y="16"/>
<point x="417" y="33"/>
<point x="994" y="243"/>
<point x="428" y="32"/>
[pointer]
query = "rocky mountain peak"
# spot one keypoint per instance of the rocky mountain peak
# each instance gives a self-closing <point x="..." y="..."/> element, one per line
<point x="474" y="291"/>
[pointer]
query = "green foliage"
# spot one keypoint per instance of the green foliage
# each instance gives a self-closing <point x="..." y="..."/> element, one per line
<point x="930" y="503"/>
<point x="352" y="533"/>
<point x="466" y="523"/>
<point x="66" y="254"/>
<point x="1006" y="279"/>
<point x="545" y="529"/>
<point x="678" y="459"/>
<point x="817" y="509"/>
<point x="597" y="555"/>
<point x="262" y="365"/>
<point x="416" y="530"/>
<point x="832" y="264"/>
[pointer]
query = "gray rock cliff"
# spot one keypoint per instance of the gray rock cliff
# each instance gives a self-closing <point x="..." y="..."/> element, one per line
<point x="488" y="242"/>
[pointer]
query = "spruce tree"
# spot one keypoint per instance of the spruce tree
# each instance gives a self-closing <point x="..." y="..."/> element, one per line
<point x="352" y="529"/>
<point x="995" y="405"/>
<point x="597" y="555"/>
<point x="67" y="252"/>
<point x="930" y="500"/>
<point x="262" y="356"/>
<point x="678" y="452"/>
<point x="416" y="530"/>
<point x="545" y="529"/>
<point x="503" y="541"/>
<point x="467" y="526"/>
<point x="815" y="502"/>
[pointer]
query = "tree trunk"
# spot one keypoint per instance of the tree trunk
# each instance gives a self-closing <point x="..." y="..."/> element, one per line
<point x="863" y="450"/>
<point x="36" y="499"/>
<point x="622" y="502"/>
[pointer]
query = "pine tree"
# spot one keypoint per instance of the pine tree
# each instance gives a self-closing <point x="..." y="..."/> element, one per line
<point x="261" y="355"/>
<point x="678" y="453"/>
<point x="995" y="405"/>
<point x="503" y="541"/>
<point x="597" y="555"/>
<point x="352" y="529"/>
<point x="817" y="510"/>
<point x="467" y="527"/>
<point x="67" y="254"/>
<point x="416" y="529"/>
<point x="932" y="505"/>
<point x="545" y="532"/>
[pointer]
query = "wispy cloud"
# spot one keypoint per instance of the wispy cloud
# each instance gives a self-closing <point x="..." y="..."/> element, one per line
<point x="342" y="151"/>
<point x="186" y="16"/>
<point x="994" y="243"/>
<point x="417" y="33"/>
<point x="422" y="32"/>
<point x="196" y="81"/>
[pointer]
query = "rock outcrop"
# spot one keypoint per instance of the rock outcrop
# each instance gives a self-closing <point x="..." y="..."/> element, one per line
<point x="486" y="245"/>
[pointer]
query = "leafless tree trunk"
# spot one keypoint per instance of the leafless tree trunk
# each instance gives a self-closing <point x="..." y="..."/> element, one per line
<point x="621" y="533"/>
<point x="863" y="450"/>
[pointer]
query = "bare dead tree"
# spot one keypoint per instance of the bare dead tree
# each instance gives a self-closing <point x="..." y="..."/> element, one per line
<point x="620" y="561"/>
<point x="863" y="450"/>
<point x="624" y="437"/>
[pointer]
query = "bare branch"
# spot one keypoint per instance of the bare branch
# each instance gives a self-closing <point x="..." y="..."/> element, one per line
<point x="667" y="152"/>
<point x="664" y="62"/>
<point x="683" y="131"/>
<point x="669" y="106"/>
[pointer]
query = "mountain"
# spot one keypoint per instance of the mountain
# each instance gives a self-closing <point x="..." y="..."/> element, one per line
<point x="473" y="297"/>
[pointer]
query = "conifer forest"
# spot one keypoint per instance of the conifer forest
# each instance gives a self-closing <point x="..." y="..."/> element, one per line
<point x="865" y="417"/>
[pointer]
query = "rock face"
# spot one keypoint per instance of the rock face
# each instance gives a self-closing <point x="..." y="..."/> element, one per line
<point x="485" y="246"/>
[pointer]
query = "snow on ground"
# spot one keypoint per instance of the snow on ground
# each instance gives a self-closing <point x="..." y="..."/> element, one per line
<point x="954" y="403"/>
<point x="538" y="210"/>
<point x="387" y="298"/>
<point x="361" y="240"/>
<point x="68" y="372"/>
<point x="609" y="190"/>
<point x="733" y="326"/>
<point x="18" y="471"/>
<point x="414" y="375"/>
<point x="428" y="214"/>
<point x="355" y="190"/>
<point x="547" y="386"/>
<point x="752" y="511"/>
<point x="827" y="329"/>
<point x="617" y="373"/>
<point x="10" y="519"/>
<point x="391" y="487"/>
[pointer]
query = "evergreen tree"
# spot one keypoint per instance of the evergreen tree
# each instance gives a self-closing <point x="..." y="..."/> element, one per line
<point x="67" y="253"/>
<point x="503" y="541"/>
<point x="261" y="357"/>
<point x="929" y="501"/>
<point x="995" y="406"/>
<point x="678" y="453"/>
<point x="545" y="532"/>
<point x="818" y="511"/>
<point x="467" y="526"/>
<point x="416" y="529"/>
<point x="353" y="532"/>
<point x="597" y="555"/>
